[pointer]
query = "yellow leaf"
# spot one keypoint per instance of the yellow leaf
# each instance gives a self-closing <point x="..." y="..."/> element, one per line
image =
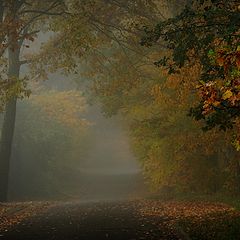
<point x="227" y="95"/>
<point x="216" y="103"/>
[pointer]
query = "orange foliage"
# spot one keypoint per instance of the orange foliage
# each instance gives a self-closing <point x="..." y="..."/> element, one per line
<point x="65" y="107"/>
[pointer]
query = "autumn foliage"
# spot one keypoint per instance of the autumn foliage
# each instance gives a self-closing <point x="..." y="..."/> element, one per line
<point x="155" y="102"/>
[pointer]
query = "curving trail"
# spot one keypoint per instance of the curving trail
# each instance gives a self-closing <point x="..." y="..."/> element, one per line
<point x="90" y="221"/>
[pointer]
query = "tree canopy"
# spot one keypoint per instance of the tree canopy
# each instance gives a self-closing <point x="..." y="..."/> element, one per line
<point x="110" y="47"/>
<point x="205" y="32"/>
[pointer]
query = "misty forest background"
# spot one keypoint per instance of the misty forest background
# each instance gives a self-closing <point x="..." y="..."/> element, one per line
<point x="165" y="73"/>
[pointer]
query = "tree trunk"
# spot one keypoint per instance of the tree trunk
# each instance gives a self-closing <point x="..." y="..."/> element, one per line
<point x="237" y="170"/>
<point x="8" y="124"/>
<point x="1" y="10"/>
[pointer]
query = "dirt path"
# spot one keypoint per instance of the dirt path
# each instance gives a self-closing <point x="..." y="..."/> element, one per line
<point x="90" y="221"/>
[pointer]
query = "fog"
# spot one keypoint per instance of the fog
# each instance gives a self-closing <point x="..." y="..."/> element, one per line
<point x="51" y="161"/>
<point x="87" y="165"/>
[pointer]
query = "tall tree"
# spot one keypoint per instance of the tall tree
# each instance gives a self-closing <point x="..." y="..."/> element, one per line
<point x="20" y="18"/>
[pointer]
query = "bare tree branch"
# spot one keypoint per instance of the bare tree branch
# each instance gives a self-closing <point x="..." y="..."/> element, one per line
<point x="39" y="13"/>
<point x="44" y="12"/>
<point x="24" y="62"/>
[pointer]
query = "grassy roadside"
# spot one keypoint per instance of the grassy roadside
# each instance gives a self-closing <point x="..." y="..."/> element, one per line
<point x="212" y="227"/>
<point x="222" y="226"/>
<point x="204" y="217"/>
<point x="13" y="213"/>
